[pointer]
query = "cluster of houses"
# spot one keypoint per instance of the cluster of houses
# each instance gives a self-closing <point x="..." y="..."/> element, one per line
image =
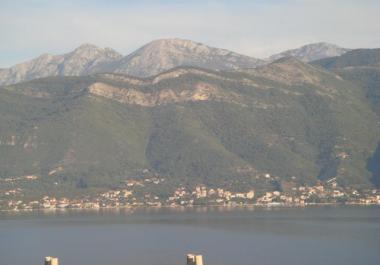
<point x="212" y="196"/>
<point x="139" y="192"/>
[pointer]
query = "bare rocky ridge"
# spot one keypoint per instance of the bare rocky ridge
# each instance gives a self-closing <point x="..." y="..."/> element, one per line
<point x="82" y="61"/>
<point x="154" y="58"/>
<point x="311" y="52"/>
<point x="161" y="55"/>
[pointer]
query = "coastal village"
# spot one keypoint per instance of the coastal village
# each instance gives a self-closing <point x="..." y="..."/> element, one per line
<point x="137" y="193"/>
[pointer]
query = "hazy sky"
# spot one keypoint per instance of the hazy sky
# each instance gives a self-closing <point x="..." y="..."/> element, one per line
<point x="256" y="28"/>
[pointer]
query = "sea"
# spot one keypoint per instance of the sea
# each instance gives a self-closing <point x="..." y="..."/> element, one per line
<point x="320" y="235"/>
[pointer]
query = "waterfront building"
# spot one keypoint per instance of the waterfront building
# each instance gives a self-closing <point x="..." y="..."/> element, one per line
<point x="192" y="259"/>
<point x="51" y="261"/>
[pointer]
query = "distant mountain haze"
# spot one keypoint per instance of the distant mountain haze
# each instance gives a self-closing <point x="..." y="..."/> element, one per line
<point x="82" y="61"/>
<point x="312" y="52"/>
<point x="151" y="59"/>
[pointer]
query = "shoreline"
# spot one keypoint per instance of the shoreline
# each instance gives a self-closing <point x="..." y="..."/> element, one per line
<point x="259" y="206"/>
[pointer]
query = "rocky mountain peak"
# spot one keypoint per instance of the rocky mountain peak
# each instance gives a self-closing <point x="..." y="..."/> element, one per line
<point x="162" y="54"/>
<point x="312" y="52"/>
<point x="189" y="46"/>
<point x="85" y="59"/>
<point x="45" y="56"/>
<point x="90" y="50"/>
<point x="174" y="48"/>
<point x="168" y="44"/>
<point x="87" y="46"/>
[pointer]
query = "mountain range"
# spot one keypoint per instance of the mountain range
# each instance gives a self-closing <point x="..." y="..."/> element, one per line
<point x="312" y="52"/>
<point x="151" y="59"/>
<point x="217" y="118"/>
<point x="86" y="59"/>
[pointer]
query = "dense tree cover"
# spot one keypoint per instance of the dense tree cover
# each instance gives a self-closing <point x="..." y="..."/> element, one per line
<point x="54" y="128"/>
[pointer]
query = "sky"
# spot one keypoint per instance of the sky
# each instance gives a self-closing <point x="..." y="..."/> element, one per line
<point x="256" y="28"/>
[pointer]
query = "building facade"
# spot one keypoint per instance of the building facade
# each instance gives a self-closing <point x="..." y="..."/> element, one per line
<point x="192" y="259"/>
<point x="51" y="261"/>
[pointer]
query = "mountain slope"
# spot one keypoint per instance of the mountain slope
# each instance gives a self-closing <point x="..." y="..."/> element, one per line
<point x="83" y="60"/>
<point x="354" y="58"/>
<point x="361" y="66"/>
<point x="288" y="119"/>
<point x="311" y="52"/>
<point x="161" y="55"/>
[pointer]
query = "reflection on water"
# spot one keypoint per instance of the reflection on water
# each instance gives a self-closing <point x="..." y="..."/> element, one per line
<point x="162" y="236"/>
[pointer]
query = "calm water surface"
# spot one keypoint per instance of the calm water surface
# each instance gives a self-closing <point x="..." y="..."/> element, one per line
<point x="250" y="236"/>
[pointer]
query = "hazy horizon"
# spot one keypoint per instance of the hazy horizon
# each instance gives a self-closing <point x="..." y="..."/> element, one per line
<point x="254" y="28"/>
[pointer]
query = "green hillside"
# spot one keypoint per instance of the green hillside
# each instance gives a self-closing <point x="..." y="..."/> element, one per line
<point x="360" y="66"/>
<point x="288" y="119"/>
